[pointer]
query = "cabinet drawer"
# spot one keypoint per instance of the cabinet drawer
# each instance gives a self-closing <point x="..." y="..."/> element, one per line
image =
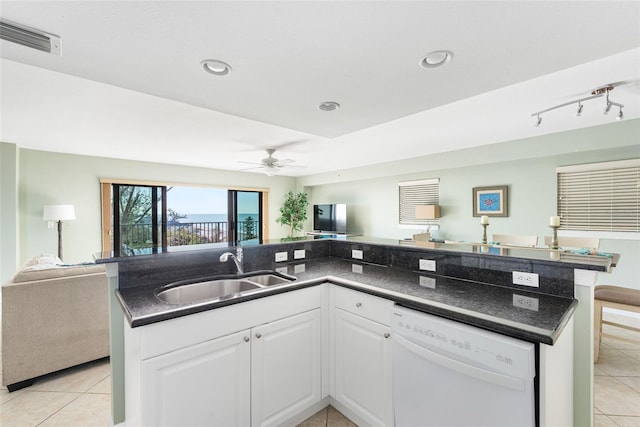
<point x="365" y="305"/>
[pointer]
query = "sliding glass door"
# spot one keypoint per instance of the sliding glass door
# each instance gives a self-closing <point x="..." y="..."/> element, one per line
<point x="139" y="219"/>
<point x="245" y="217"/>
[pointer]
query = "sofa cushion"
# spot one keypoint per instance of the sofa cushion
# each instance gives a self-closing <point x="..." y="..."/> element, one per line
<point x="30" y="274"/>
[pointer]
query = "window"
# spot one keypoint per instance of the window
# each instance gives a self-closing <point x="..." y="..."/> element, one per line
<point x="600" y="196"/>
<point x="144" y="218"/>
<point x="415" y="193"/>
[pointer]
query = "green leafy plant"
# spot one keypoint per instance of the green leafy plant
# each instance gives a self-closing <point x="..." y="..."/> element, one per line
<point x="293" y="212"/>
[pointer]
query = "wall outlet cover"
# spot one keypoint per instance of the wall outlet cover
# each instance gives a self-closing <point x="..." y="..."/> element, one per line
<point x="281" y="256"/>
<point x="299" y="254"/>
<point x="427" y="264"/>
<point x="356" y="254"/>
<point x="526" y="279"/>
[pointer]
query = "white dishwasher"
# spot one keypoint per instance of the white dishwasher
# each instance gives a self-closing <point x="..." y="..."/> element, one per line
<point x="446" y="373"/>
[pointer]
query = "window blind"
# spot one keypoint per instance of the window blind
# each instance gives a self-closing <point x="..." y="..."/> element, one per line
<point x="600" y="196"/>
<point x="414" y="193"/>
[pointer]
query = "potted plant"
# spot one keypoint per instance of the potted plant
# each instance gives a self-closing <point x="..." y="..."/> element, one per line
<point x="293" y="212"/>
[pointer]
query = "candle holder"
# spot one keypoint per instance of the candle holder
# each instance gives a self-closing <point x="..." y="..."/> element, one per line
<point x="484" y="233"/>
<point x="554" y="239"/>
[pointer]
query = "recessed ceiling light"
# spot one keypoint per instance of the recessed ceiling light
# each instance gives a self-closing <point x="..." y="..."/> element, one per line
<point x="437" y="58"/>
<point x="329" y="106"/>
<point x="216" y="67"/>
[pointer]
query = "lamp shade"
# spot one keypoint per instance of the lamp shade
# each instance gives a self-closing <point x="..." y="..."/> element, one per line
<point x="427" y="211"/>
<point x="58" y="213"/>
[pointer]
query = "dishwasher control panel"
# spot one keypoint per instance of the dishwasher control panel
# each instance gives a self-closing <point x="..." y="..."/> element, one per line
<point x="464" y="343"/>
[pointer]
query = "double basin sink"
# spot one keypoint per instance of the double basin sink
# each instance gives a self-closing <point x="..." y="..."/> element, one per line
<point x="217" y="289"/>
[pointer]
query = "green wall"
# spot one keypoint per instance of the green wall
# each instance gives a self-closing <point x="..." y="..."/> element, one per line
<point x="526" y="166"/>
<point x="9" y="220"/>
<point x="52" y="178"/>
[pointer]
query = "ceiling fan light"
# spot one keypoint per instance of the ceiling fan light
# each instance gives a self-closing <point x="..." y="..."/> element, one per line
<point x="271" y="171"/>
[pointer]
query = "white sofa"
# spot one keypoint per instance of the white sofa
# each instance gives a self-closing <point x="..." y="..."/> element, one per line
<point x="53" y="317"/>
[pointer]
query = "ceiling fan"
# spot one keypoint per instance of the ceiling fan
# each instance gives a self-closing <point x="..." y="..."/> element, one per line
<point x="271" y="165"/>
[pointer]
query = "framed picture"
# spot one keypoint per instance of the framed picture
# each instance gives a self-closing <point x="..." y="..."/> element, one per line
<point x="490" y="201"/>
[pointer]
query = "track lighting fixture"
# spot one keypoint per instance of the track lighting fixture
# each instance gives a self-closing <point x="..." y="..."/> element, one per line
<point x="598" y="93"/>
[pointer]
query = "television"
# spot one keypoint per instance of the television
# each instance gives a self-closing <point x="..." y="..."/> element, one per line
<point x="330" y="217"/>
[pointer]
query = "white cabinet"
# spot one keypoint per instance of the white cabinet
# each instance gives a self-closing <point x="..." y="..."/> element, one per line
<point x="285" y="368"/>
<point x="258" y="363"/>
<point x="205" y="384"/>
<point x="361" y="369"/>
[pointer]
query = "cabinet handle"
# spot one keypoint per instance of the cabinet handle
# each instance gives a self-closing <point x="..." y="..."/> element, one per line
<point x="358" y="304"/>
<point x="387" y="335"/>
<point x="258" y="335"/>
<point x="246" y="339"/>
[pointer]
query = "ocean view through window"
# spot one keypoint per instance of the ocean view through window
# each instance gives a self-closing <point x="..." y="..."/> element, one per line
<point x="146" y="219"/>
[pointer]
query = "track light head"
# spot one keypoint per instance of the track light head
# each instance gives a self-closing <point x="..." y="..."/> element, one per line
<point x="539" y="121"/>
<point x="580" y="107"/>
<point x="607" y="108"/>
<point x="620" y="115"/>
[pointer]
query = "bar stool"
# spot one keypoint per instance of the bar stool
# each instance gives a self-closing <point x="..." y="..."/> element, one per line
<point x="617" y="297"/>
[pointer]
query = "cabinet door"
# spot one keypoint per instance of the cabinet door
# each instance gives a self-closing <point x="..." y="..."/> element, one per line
<point x="286" y="368"/>
<point x="205" y="384"/>
<point x="363" y="367"/>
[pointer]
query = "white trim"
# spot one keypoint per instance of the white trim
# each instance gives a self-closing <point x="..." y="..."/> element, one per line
<point x="419" y="182"/>
<point x="599" y="166"/>
<point x="609" y="235"/>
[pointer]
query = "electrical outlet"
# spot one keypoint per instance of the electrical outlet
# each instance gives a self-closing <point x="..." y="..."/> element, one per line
<point x="281" y="256"/>
<point x="356" y="254"/>
<point x="526" y="279"/>
<point x="525" y="302"/>
<point x="427" y="264"/>
<point x="298" y="254"/>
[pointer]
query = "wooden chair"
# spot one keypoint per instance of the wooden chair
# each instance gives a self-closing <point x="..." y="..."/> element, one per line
<point x="515" y="240"/>
<point x="617" y="297"/>
<point x="574" y="242"/>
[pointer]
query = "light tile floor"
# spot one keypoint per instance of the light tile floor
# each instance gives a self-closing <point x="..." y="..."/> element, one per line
<point x="617" y="376"/>
<point x="80" y="396"/>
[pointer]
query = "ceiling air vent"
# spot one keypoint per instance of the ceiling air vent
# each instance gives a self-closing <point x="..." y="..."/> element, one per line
<point x="30" y="37"/>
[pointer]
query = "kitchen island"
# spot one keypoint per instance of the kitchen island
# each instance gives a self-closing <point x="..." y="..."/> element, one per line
<point x="471" y="284"/>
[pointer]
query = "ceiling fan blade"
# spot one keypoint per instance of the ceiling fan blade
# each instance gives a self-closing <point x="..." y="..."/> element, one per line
<point x="250" y="163"/>
<point x="285" y="161"/>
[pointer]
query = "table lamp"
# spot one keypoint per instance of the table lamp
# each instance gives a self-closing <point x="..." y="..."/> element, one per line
<point x="426" y="212"/>
<point x="59" y="213"/>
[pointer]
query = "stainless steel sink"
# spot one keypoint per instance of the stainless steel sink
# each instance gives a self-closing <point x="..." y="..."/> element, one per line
<point x="267" y="279"/>
<point x="219" y="289"/>
<point x="209" y="290"/>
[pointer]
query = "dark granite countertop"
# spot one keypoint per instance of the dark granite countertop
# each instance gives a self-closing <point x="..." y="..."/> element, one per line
<point x="486" y="306"/>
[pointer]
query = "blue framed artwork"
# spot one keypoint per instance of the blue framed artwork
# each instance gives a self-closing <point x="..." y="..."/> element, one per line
<point x="490" y="201"/>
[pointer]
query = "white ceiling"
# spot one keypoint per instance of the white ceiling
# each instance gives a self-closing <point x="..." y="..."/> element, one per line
<point x="129" y="83"/>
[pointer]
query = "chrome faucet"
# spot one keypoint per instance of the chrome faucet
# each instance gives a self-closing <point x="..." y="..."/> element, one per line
<point x="237" y="258"/>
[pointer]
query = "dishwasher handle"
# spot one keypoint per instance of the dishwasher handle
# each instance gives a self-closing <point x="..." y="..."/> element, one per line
<point x="463" y="368"/>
